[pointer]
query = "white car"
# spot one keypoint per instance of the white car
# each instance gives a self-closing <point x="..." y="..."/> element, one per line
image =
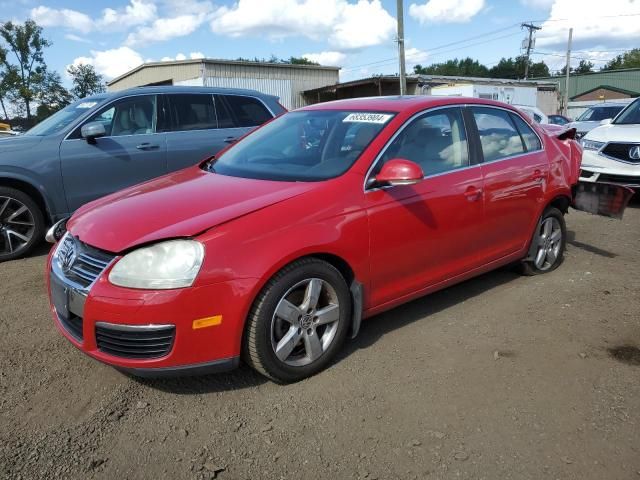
<point x="533" y="113"/>
<point x="612" y="151"/>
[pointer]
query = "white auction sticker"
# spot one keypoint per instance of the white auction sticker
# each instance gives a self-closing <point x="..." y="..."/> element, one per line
<point x="368" y="117"/>
<point x="86" y="104"/>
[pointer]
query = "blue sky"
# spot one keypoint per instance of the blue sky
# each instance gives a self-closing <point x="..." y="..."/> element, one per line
<point x="357" y="35"/>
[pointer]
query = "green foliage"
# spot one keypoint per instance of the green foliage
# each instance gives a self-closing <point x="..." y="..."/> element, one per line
<point x="274" y="59"/>
<point x="630" y="59"/>
<point x="86" y="81"/>
<point x="468" y="67"/>
<point x="28" y="75"/>
<point x="584" y="66"/>
<point x="52" y="97"/>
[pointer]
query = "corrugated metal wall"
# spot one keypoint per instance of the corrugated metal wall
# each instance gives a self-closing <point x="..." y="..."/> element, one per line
<point x="578" y="84"/>
<point x="280" y="88"/>
<point x="157" y="73"/>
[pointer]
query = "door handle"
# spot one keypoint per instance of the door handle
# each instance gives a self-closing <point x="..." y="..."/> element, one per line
<point x="538" y="176"/>
<point x="473" y="194"/>
<point x="230" y="140"/>
<point x="147" y="146"/>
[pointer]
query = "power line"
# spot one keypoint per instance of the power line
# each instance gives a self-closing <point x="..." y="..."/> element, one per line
<point x="532" y="28"/>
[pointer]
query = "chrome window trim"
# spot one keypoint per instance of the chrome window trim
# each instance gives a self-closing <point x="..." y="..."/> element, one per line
<point x="82" y="121"/>
<point x="483" y="162"/>
<point x="599" y="152"/>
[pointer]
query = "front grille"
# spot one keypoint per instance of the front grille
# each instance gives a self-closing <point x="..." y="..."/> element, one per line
<point x="72" y="324"/>
<point x="88" y="264"/>
<point x="586" y="174"/>
<point x="620" y="151"/>
<point x="135" y="342"/>
<point x="619" y="179"/>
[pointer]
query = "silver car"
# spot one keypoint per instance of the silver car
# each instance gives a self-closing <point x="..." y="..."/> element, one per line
<point x="594" y="116"/>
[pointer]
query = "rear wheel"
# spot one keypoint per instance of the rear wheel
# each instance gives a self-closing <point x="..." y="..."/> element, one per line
<point x="548" y="244"/>
<point x="21" y="224"/>
<point x="299" y="321"/>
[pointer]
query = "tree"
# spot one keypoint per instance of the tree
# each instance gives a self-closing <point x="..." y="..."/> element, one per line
<point x="464" y="67"/>
<point x="52" y="97"/>
<point x="300" y="61"/>
<point x="585" y="66"/>
<point x="630" y="59"/>
<point x="86" y="81"/>
<point x="27" y="45"/>
<point x="515" y="68"/>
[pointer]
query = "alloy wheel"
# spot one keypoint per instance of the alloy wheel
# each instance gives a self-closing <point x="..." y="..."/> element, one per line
<point x="549" y="243"/>
<point x="305" y="322"/>
<point x="17" y="225"/>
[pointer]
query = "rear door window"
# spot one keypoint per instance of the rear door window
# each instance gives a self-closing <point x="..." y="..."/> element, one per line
<point x="248" y="111"/>
<point x="530" y="139"/>
<point x="498" y="135"/>
<point x="192" y="112"/>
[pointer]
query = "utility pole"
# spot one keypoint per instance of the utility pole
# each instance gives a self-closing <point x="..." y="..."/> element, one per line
<point x="403" y="74"/>
<point x="566" y="84"/>
<point x="532" y="28"/>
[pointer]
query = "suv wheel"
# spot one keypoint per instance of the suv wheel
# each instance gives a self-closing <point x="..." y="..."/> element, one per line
<point x="21" y="224"/>
<point x="549" y="241"/>
<point x="298" y="322"/>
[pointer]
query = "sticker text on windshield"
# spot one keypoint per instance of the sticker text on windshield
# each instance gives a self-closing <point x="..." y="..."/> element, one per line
<point x="368" y="117"/>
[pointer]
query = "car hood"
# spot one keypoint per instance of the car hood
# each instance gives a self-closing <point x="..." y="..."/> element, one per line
<point x="583" y="126"/>
<point x="615" y="133"/>
<point x="182" y="204"/>
<point x="18" y="142"/>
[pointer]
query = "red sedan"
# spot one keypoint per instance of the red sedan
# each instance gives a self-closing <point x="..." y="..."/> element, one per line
<point x="274" y="251"/>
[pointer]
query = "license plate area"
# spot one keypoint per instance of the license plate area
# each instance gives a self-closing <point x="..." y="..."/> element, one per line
<point x="606" y="199"/>
<point x="66" y="300"/>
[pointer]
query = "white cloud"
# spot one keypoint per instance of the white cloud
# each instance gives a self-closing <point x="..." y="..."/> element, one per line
<point x="334" y="59"/>
<point x="344" y="24"/>
<point x="51" y="17"/>
<point x="182" y="56"/>
<point x="163" y="29"/>
<point x="612" y="27"/>
<point x="415" y="55"/>
<point x="137" y="12"/>
<point x="76" y="38"/>
<point x="446" y="11"/>
<point x="112" y="63"/>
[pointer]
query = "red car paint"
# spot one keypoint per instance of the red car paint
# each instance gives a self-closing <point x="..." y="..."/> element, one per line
<point x="400" y="243"/>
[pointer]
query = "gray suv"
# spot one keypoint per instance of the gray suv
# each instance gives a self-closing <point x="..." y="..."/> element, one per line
<point x="107" y="142"/>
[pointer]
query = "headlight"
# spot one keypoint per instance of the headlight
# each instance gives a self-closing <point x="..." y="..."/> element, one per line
<point x="171" y="264"/>
<point x="591" y="144"/>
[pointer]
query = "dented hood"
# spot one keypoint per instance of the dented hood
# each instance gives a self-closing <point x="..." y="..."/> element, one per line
<point x="181" y="204"/>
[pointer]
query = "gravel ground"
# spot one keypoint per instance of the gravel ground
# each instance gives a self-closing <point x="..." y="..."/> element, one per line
<point x="499" y="377"/>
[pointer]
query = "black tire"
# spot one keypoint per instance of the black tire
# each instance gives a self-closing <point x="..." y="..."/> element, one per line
<point x="529" y="266"/>
<point x="35" y="233"/>
<point x="258" y="349"/>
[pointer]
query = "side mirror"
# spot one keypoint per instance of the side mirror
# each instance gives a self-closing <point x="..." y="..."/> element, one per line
<point x="399" y="171"/>
<point x="606" y="121"/>
<point x="92" y="130"/>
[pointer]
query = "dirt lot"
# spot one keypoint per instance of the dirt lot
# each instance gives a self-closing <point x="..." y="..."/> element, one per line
<point x="500" y="377"/>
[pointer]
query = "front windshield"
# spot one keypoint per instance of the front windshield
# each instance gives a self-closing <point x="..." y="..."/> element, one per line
<point x="597" y="114"/>
<point x="303" y="146"/>
<point x="62" y="118"/>
<point x="630" y="115"/>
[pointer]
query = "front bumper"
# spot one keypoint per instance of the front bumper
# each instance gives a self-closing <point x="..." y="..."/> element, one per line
<point x="82" y="314"/>
<point x="597" y="168"/>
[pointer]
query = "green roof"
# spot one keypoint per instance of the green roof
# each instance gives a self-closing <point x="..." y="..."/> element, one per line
<point x="626" y="80"/>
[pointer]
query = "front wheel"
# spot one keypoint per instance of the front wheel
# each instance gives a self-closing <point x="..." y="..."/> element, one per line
<point x="298" y="322"/>
<point x="21" y="224"/>
<point x="548" y="244"/>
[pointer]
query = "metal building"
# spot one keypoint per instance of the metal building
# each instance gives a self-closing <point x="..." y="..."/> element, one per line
<point x="284" y="80"/>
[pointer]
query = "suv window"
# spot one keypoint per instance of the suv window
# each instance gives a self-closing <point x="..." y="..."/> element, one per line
<point x="531" y="140"/>
<point x="225" y="119"/>
<point x="248" y="111"/>
<point x="498" y="134"/>
<point x="192" y="112"/>
<point x="128" y="116"/>
<point x="436" y="141"/>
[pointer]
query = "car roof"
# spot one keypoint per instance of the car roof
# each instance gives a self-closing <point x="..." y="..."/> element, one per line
<point x="402" y="103"/>
<point x="187" y="89"/>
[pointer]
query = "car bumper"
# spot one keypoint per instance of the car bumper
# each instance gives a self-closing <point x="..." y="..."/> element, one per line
<point x="596" y="168"/>
<point x="152" y="333"/>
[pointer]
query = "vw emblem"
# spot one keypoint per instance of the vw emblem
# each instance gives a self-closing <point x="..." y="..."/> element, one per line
<point x="67" y="254"/>
<point x="634" y="153"/>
